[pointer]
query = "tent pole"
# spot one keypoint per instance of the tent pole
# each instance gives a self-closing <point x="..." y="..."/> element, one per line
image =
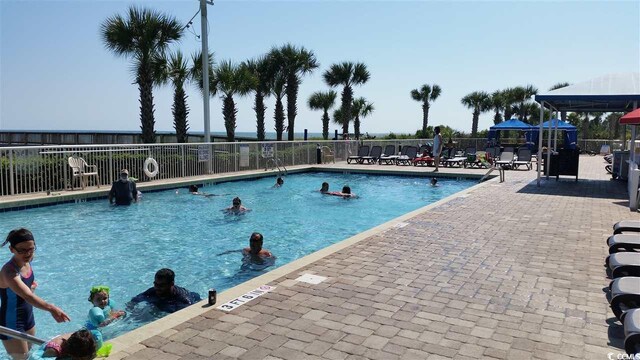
<point x="548" y="146"/>
<point x="540" y="142"/>
<point x="555" y="133"/>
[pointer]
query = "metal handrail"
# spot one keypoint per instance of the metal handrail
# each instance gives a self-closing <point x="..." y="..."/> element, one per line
<point x="21" y="336"/>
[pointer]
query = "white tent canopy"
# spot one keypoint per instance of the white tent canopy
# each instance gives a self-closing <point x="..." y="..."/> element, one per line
<point x="608" y="93"/>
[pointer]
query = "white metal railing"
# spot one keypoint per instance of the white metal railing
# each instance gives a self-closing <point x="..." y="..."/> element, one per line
<point x="33" y="169"/>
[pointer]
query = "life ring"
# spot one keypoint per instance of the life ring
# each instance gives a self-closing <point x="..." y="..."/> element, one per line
<point x="151" y="167"/>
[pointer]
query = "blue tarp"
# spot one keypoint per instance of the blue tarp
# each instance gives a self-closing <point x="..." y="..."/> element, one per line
<point x="511" y="124"/>
<point x="569" y="137"/>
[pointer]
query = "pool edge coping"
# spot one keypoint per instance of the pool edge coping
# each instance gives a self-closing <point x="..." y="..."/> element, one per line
<point x="129" y="343"/>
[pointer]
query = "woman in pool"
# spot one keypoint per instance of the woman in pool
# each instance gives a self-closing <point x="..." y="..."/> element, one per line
<point x="17" y="297"/>
<point x="346" y="193"/>
<point x="104" y="310"/>
<point x="325" y="188"/>
<point x="236" y="207"/>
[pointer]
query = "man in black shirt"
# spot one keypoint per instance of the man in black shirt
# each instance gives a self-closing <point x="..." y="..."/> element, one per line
<point x="165" y="295"/>
<point x="123" y="190"/>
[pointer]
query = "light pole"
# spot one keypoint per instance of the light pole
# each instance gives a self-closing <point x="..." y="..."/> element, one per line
<point x="205" y="67"/>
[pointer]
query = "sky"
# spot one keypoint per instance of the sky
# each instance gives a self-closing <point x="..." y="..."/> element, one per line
<point x="56" y="74"/>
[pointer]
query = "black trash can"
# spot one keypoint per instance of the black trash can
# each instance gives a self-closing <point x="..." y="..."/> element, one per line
<point x="318" y="154"/>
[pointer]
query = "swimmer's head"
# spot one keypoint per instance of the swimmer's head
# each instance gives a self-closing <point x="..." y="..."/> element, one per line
<point x="193" y="188"/>
<point x="99" y="296"/>
<point x="163" y="282"/>
<point x="124" y="174"/>
<point x="279" y="181"/>
<point x="80" y="346"/>
<point x="236" y="201"/>
<point x="325" y="187"/>
<point x="255" y="242"/>
<point x="346" y="190"/>
<point x="434" y="181"/>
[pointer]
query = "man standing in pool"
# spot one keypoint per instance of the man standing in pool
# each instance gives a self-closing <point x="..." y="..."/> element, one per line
<point x="123" y="190"/>
<point x="165" y="295"/>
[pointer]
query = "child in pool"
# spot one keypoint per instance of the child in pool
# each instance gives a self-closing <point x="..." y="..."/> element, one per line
<point x="80" y="345"/>
<point x="104" y="310"/>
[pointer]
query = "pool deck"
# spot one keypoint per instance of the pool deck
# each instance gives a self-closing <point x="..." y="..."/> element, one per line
<point x="502" y="270"/>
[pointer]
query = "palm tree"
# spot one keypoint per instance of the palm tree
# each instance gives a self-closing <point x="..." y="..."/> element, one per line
<point x="294" y="62"/>
<point x="426" y="94"/>
<point x="523" y="97"/>
<point x="177" y="71"/>
<point x="144" y="37"/>
<point x="232" y="79"/>
<point x="196" y="72"/>
<point x="262" y="69"/>
<point x="510" y="97"/>
<point x="323" y="101"/>
<point x="479" y="101"/>
<point x="346" y="74"/>
<point x="497" y="103"/>
<point x="278" y="88"/>
<point x="563" y="114"/>
<point x="360" y="108"/>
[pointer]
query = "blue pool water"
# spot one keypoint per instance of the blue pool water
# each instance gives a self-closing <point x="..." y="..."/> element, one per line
<point x="86" y="244"/>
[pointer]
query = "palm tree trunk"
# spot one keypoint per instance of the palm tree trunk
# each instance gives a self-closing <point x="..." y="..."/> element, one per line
<point x="278" y="116"/>
<point x="180" y="112"/>
<point x="292" y="96"/>
<point x="425" y="118"/>
<point x="474" y="124"/>
<point x="229" y="113"/>
<point x="356" y="126"/>
<point x="497" y="118"/>
<point x="260" y="110"/>
<point x="145" y="86"/>
<point x="508" y="112"/>
<point x="347" y="99"/>
<point x="585" y="126"/>
<point x="325" y="124"/>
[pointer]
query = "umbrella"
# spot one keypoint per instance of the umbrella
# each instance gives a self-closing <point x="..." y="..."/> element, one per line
<point x="632" y="118"/>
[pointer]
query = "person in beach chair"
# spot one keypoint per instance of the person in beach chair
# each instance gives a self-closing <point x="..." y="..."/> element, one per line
<point x="362" y="151"/>
<point x="424" y="158"/>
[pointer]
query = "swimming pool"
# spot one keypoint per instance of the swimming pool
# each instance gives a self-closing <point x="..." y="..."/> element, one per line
<point x="86" y="244"/>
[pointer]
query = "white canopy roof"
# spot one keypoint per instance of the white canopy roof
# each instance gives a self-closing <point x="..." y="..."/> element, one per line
<point x="612" y="92"/>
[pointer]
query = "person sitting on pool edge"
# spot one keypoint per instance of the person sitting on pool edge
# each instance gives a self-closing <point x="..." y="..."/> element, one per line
<point x="123" y="190"/>
<point x="236" y="207"/>
<point x="165" y="295"/>
<point x="325" y="188"/>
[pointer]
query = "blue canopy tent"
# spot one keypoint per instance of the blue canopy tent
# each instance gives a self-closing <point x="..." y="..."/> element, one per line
<point x="570" y="136"/>
<point x="512" y="124"/>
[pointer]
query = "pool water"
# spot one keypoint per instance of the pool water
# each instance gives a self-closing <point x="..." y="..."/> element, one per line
<point x="85" y="244"/>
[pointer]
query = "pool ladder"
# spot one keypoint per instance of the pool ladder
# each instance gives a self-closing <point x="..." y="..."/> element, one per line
<point x="277" y="164"/>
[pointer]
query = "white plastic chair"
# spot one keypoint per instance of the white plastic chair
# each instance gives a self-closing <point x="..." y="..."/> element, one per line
<point x="82" y="170"/>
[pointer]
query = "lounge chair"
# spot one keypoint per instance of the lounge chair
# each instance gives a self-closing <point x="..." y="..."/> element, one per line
<point x="456" y="158"/>
<point x="626" y="226"/>
<point x="492" y="153"/>
<point x="407" y="158"/>
<point x="506" y="158"/>
<point x="524" y="158"/>
<point x="80" y="169"/>
<point x="625" y="295"/>
<point x="373" y="156"/>
<point x="623" y="243"/>
<point x="624" y="264"/>
<point x="389" y="155"/>
<point x="632" y="332"/>
<point x="362" y="151"/>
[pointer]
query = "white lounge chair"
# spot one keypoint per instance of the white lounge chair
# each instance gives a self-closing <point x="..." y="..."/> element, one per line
<point x="82" y="170"/>
<point x="506" y="158"/>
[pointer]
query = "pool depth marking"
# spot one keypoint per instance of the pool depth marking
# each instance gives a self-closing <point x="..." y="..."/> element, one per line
<point x="230" y="305"/>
